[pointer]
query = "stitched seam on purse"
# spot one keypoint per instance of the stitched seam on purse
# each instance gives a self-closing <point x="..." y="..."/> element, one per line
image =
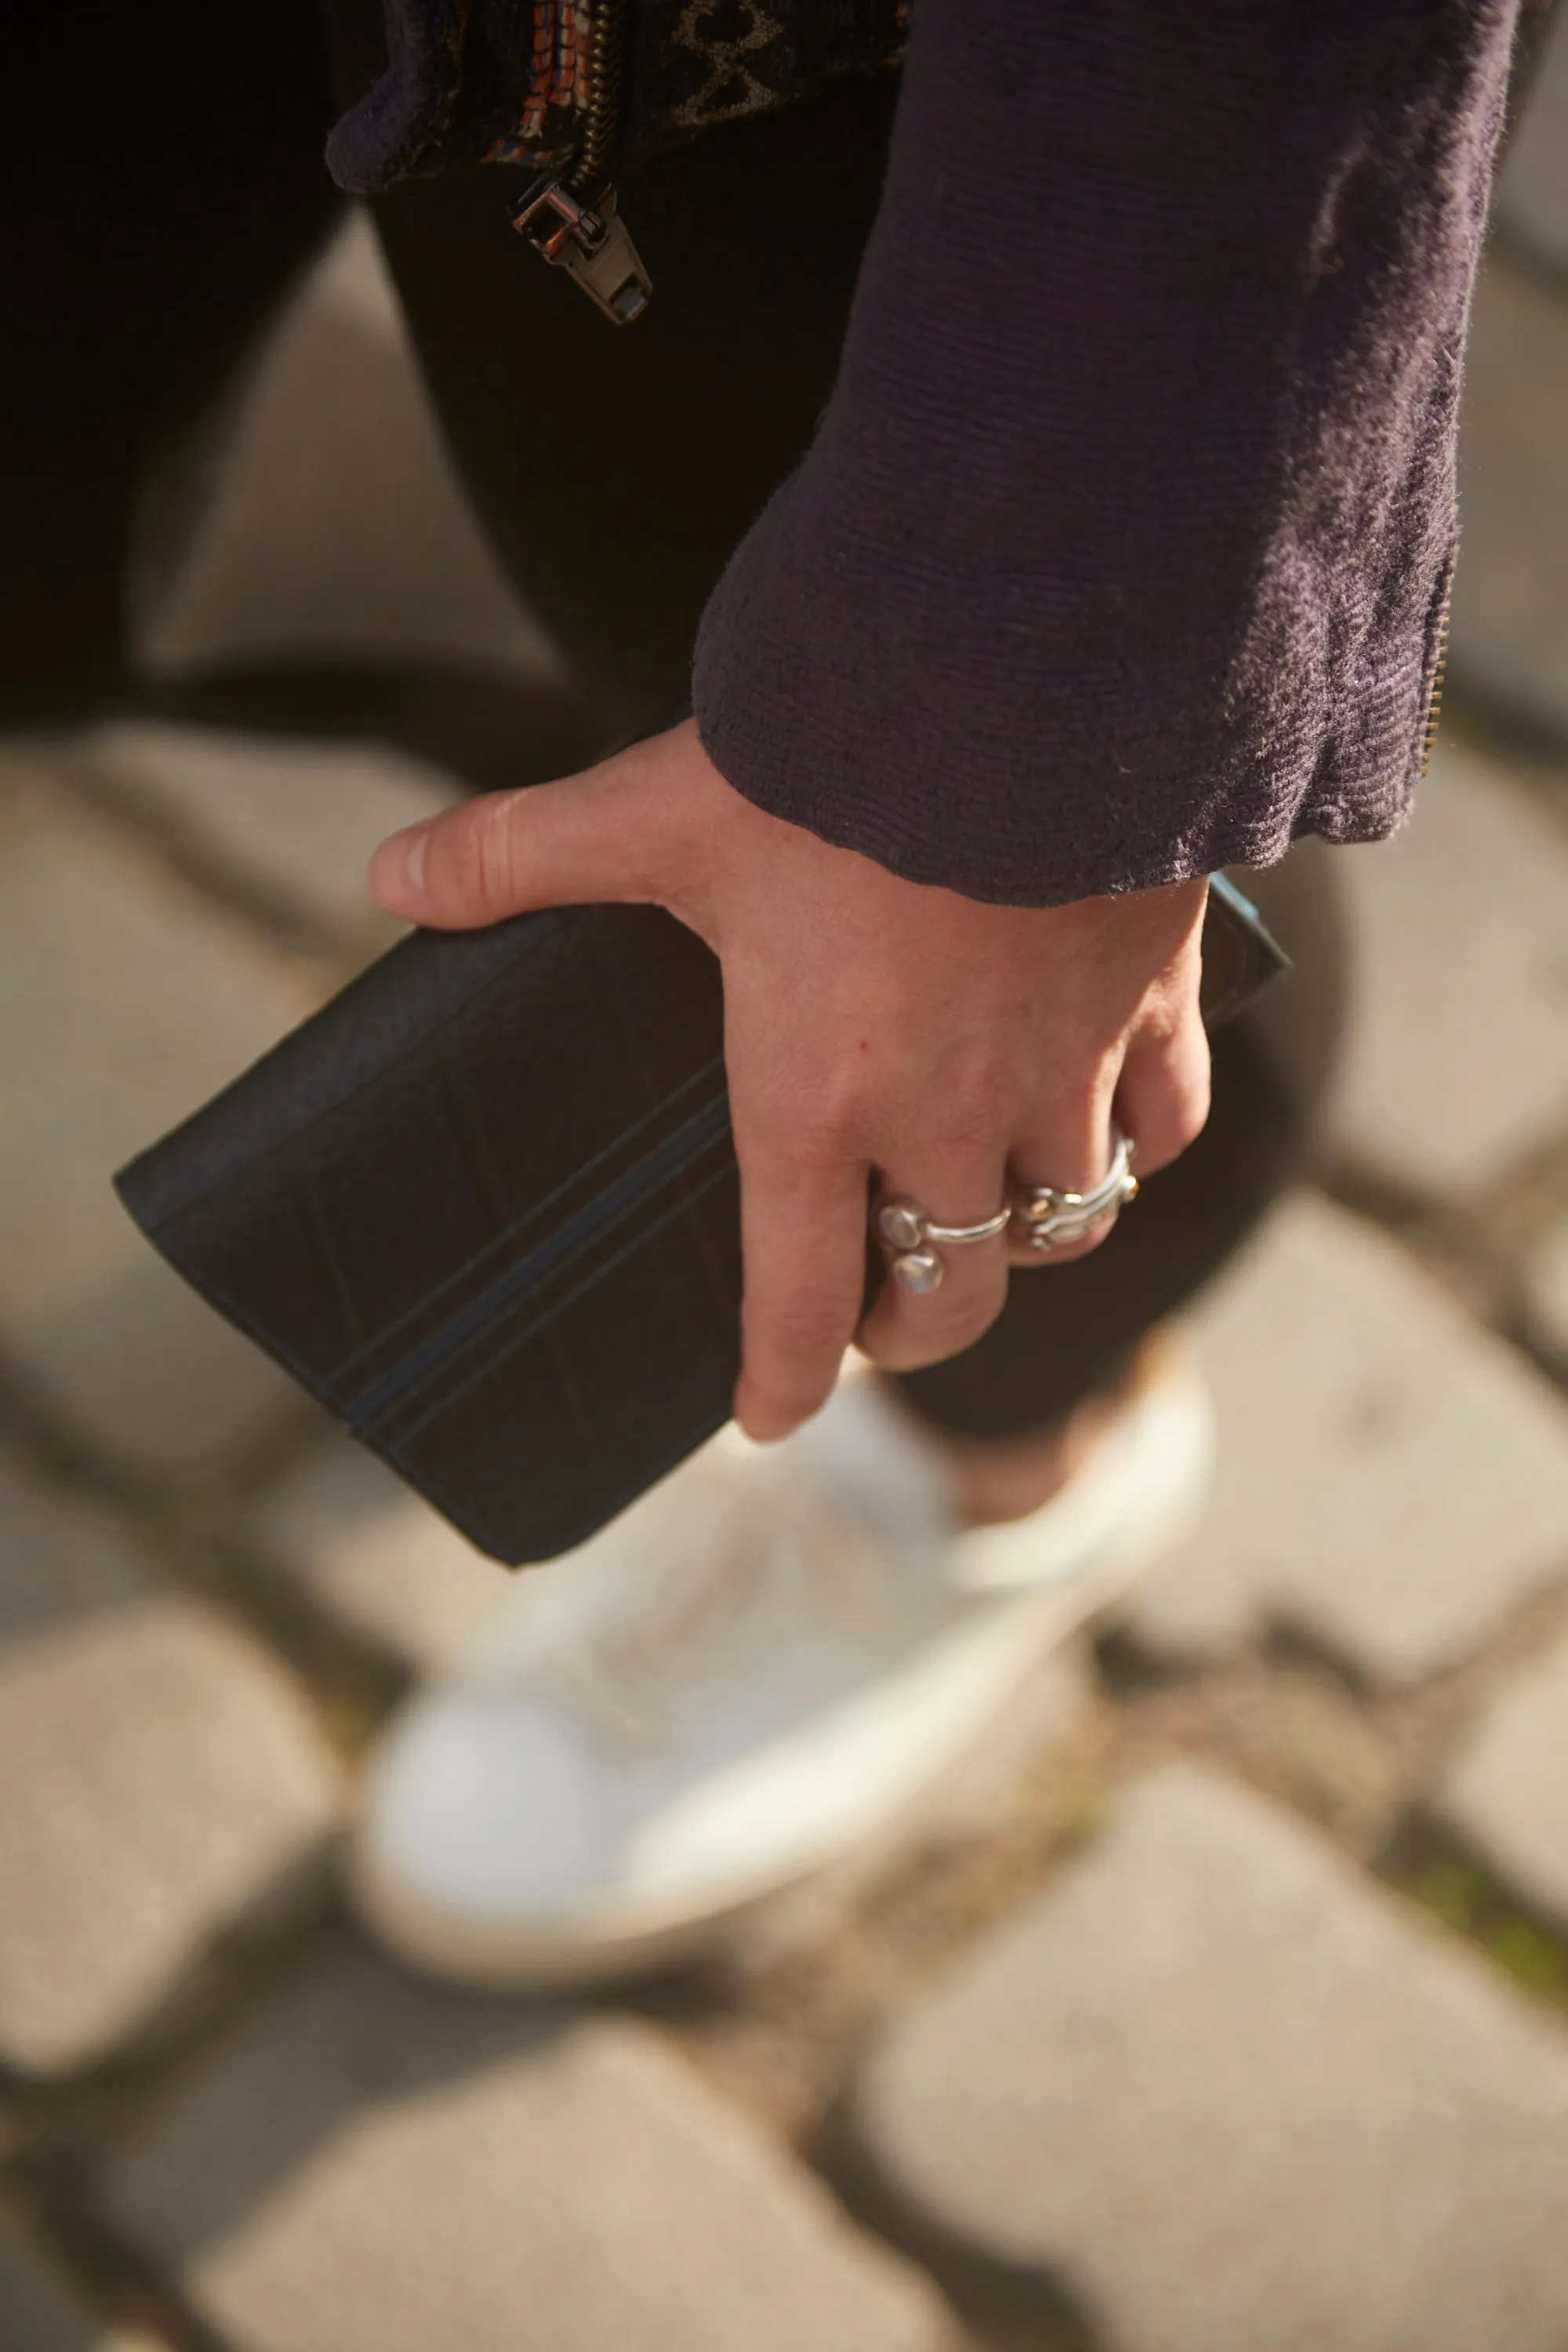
<point x="469" y="1330"/>
<point x="319" y="1384"/>
<point x="519" y="1224"/>
<point x="234" y="1162"/>
<point x="433" y="1411"/>
<point x="397" y="1451"/>
<point x="616" y="1202"/>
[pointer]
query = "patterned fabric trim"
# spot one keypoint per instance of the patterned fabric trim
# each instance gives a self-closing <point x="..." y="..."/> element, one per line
<point x="557" y="98"/>
<point x="508" y="81"/>
<point x="733" y="68"/>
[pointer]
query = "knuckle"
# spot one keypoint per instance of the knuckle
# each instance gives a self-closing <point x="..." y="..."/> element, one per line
<point x="822" y="1143"/>
<point x="1178" y="1117"/>
<point x="811" y="1125"/>
<point x="1192" y="1114"/>
<point x="972" y="1119"/>
<point x="799" y="1325"/>
<point x="479" y="851"/>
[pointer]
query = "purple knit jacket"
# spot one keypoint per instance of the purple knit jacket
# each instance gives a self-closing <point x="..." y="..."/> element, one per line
<point x="1123" y="549"/>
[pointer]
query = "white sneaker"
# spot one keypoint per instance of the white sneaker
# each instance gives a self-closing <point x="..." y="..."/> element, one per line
<point x="763" y="1664"/>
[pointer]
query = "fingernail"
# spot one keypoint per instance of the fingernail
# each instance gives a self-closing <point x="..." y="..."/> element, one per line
<point x="397" y="869"/>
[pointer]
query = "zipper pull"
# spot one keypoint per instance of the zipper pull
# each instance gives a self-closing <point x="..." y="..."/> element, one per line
<point x="590" y="241"/>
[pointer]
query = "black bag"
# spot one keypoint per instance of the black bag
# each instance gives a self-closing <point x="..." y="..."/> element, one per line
<point x="484" y="1206"/>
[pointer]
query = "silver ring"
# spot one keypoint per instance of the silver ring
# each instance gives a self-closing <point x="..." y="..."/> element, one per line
<point x="1044" y="1219"/>
<point x="907" y="1235"/>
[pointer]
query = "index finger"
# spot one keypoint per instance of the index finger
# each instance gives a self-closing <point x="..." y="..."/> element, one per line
<point x="803" y="1228"/>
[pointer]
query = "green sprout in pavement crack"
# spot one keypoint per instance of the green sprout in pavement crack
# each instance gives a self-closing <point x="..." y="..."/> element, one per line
<point x="1464" y="1896"/>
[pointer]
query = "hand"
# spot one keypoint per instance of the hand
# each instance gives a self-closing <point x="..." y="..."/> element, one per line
<point x="870" y="1023"/>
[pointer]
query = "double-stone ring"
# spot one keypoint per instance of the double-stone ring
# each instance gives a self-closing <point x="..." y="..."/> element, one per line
<point x="1044" y="1219"/>
<point x="1036" y="1216"/>
<point x="908" y="1235"/>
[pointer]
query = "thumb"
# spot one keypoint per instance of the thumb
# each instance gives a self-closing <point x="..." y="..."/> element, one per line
<point x="570" y="844"/>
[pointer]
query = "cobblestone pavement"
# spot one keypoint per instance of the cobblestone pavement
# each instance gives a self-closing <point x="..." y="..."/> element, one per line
<point x="1225" y="2004"/>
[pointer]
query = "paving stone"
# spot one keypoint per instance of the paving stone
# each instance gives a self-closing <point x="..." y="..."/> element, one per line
<point x="1509" y="635"/>
<point x="158" y="1777"/>
<point x="1507" y="1790"/>
<point x="374" y="1556"/>
<point x="1391" y="1480"/>
<point x="372" y="2166"/>
<point x="39" y="2313"/>
<point x="1546" y="1289"/>
<point x="124" y="1001"/>
<point x="1293" y="1729"/>
<point x="1457" y="1061"/>
<point x="331" y="524"/>
<point x="61" y="1557"/>
<point x="291" y="819"/>
<point x="1028" y="1775"/>
<point x="1236" y="2099"/>
<point x="1532" y="190"/>
<point x="36" y="2312"/>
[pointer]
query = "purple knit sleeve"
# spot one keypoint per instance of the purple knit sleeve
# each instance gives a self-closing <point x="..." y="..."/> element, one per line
<point x="1122" y="550"/>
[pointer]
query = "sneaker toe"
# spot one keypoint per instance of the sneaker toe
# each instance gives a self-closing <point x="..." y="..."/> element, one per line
<point x="482" y="1804"/>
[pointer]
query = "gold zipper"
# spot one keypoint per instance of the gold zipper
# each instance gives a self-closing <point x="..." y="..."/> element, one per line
<point x="571" y="217"/>
<point x="1439" y="673"/>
